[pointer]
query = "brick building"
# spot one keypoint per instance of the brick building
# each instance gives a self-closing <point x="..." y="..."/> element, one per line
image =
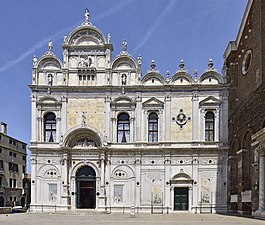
<point x="245" y="65"/>
<point x="12" y="170"/>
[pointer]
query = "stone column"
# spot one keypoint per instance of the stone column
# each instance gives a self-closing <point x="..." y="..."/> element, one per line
<point x="261" y="179"/>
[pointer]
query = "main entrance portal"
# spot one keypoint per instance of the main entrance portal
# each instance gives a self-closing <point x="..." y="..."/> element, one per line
<point x="86" y="188"/>
<point x="181" y="198"/>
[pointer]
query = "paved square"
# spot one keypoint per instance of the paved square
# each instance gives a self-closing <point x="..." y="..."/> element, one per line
<point x="125" y="219"/>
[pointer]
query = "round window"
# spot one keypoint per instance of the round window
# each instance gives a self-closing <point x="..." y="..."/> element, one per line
<point x="246" y="62"/>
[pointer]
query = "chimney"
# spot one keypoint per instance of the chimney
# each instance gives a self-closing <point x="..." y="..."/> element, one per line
<point x="4" y="128"/>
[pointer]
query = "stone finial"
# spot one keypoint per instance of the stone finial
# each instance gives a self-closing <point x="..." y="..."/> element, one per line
<point x="182" y="65"/>
<point x="167" y="76"/>
<point x="109" y="39"/>
<point x="50" y="48"/>
<point x="210" y="64"/>
<point x="195" y="75"/>
<point x="87" y="15"/>
<point x="139" y="60"/>
<point x="153" y="65"/>
<point x="35" y="60"/>
<point x="124" y="45"/>
<point x="64" y="39"/>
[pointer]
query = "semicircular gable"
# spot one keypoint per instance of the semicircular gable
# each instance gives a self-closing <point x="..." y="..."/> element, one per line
<point x="182" y="78"/>
<point x="82" y="137"/>
<point x="123" y="99"/>
<point x="86" y="35"/>
<point x="48" y="170"/>
<point x="49" y="62"/>
<point x="48" y="99"/>
<point x="211" y="77"/>
<point x="123" y="62"/>
<point x="153" y="78"/>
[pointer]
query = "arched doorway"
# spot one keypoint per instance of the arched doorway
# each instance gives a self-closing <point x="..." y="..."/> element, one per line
<point x="2" y="201"/>
<point x="86" y="188"/>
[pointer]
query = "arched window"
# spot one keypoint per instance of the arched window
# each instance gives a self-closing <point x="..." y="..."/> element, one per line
<point x="49" y="127"/>
<point x="152" y="127"/>
<point x="209" y="126"/>
<point x="123" y="128"/>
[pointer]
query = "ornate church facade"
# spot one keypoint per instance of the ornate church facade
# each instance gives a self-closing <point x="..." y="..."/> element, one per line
<point x="107" y="137"/>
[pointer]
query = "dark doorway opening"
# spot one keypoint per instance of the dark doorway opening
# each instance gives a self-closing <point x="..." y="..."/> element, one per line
<point x="181" y="198"/>
<point x="2" y="201"/>
<point x="86" y="188"/>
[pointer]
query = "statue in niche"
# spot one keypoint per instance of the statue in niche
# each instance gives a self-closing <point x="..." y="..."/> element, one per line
<point x="90" y="63"/>
<point x="123" y="79"/>
<point x="50" y="79"/>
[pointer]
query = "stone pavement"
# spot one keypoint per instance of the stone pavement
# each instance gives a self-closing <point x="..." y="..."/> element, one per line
<point x="125" y="219"/>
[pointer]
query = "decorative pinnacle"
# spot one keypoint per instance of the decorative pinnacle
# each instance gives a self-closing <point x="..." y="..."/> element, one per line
<point x="181" y="64"/>
<point x="124" y="45"/>
<point x="167" y="76"/>
<point x="34" y="60"/>
<point x="195" y="75"/>
<point x="153" y="65"/>
<point x="139" y="60"/>
<point x="50" y="47"/>
<point x="210" y="64"/>
<point x="87" y="18"/>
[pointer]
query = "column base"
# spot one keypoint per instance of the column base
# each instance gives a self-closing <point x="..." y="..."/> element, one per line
<point x="259" y="214"/>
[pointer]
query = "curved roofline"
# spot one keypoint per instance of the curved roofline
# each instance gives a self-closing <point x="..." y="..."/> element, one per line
<point x="49" y="56"/>
<point x="120" y="56"/>
<point x="84" y="27"/>
<point x="73" y="134"/>
<point x="153" y="74"/>
<point x="182" y="74"/>
<point x="213" y="73"/>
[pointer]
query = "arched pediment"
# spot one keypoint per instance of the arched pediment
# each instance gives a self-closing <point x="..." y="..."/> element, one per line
<point x="123" y="62"/>
<point x="181" y="178"/>
<point x="86" y="35"/>
<point x="83" y="137"/>
<point x="122" y="102"/>
<point x="49" y="171"/>
<point x="122" y="172"/>
<point x="211" y="77"/>
<point x="48" y="99"/>
<point x="49" y="62"/>
<point x="153" y="78"/>
<point x="182" y="78"/>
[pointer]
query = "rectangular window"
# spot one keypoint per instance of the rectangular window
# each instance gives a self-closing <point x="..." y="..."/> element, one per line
<point x="23" y="169"/>
<point x="24" y="157"/>
<point x="10" y="182"/>
<point x="24" y="146"/>
<point x="1" y="182"/>
<point x="14" y="154"/>
<point x="52" y="192"/>
<point x="10" y="141"/>
<point x="1" y="164"/>
<point x="10" y="198"/>
<point x="10" y="166"/>
<point x="14" y="142"/>
<point x="10" y="153"/>
<point x="14" y="183"/>
<point x="0" y="150"/>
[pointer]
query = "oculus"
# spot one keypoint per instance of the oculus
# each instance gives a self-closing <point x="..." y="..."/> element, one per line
<point x="246" y="62"/>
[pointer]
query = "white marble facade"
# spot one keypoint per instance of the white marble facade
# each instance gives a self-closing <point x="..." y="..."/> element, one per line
<point x="107" y="137"/>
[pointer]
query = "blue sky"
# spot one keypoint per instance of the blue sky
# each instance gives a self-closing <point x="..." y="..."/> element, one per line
<point x="164" y="30"/>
